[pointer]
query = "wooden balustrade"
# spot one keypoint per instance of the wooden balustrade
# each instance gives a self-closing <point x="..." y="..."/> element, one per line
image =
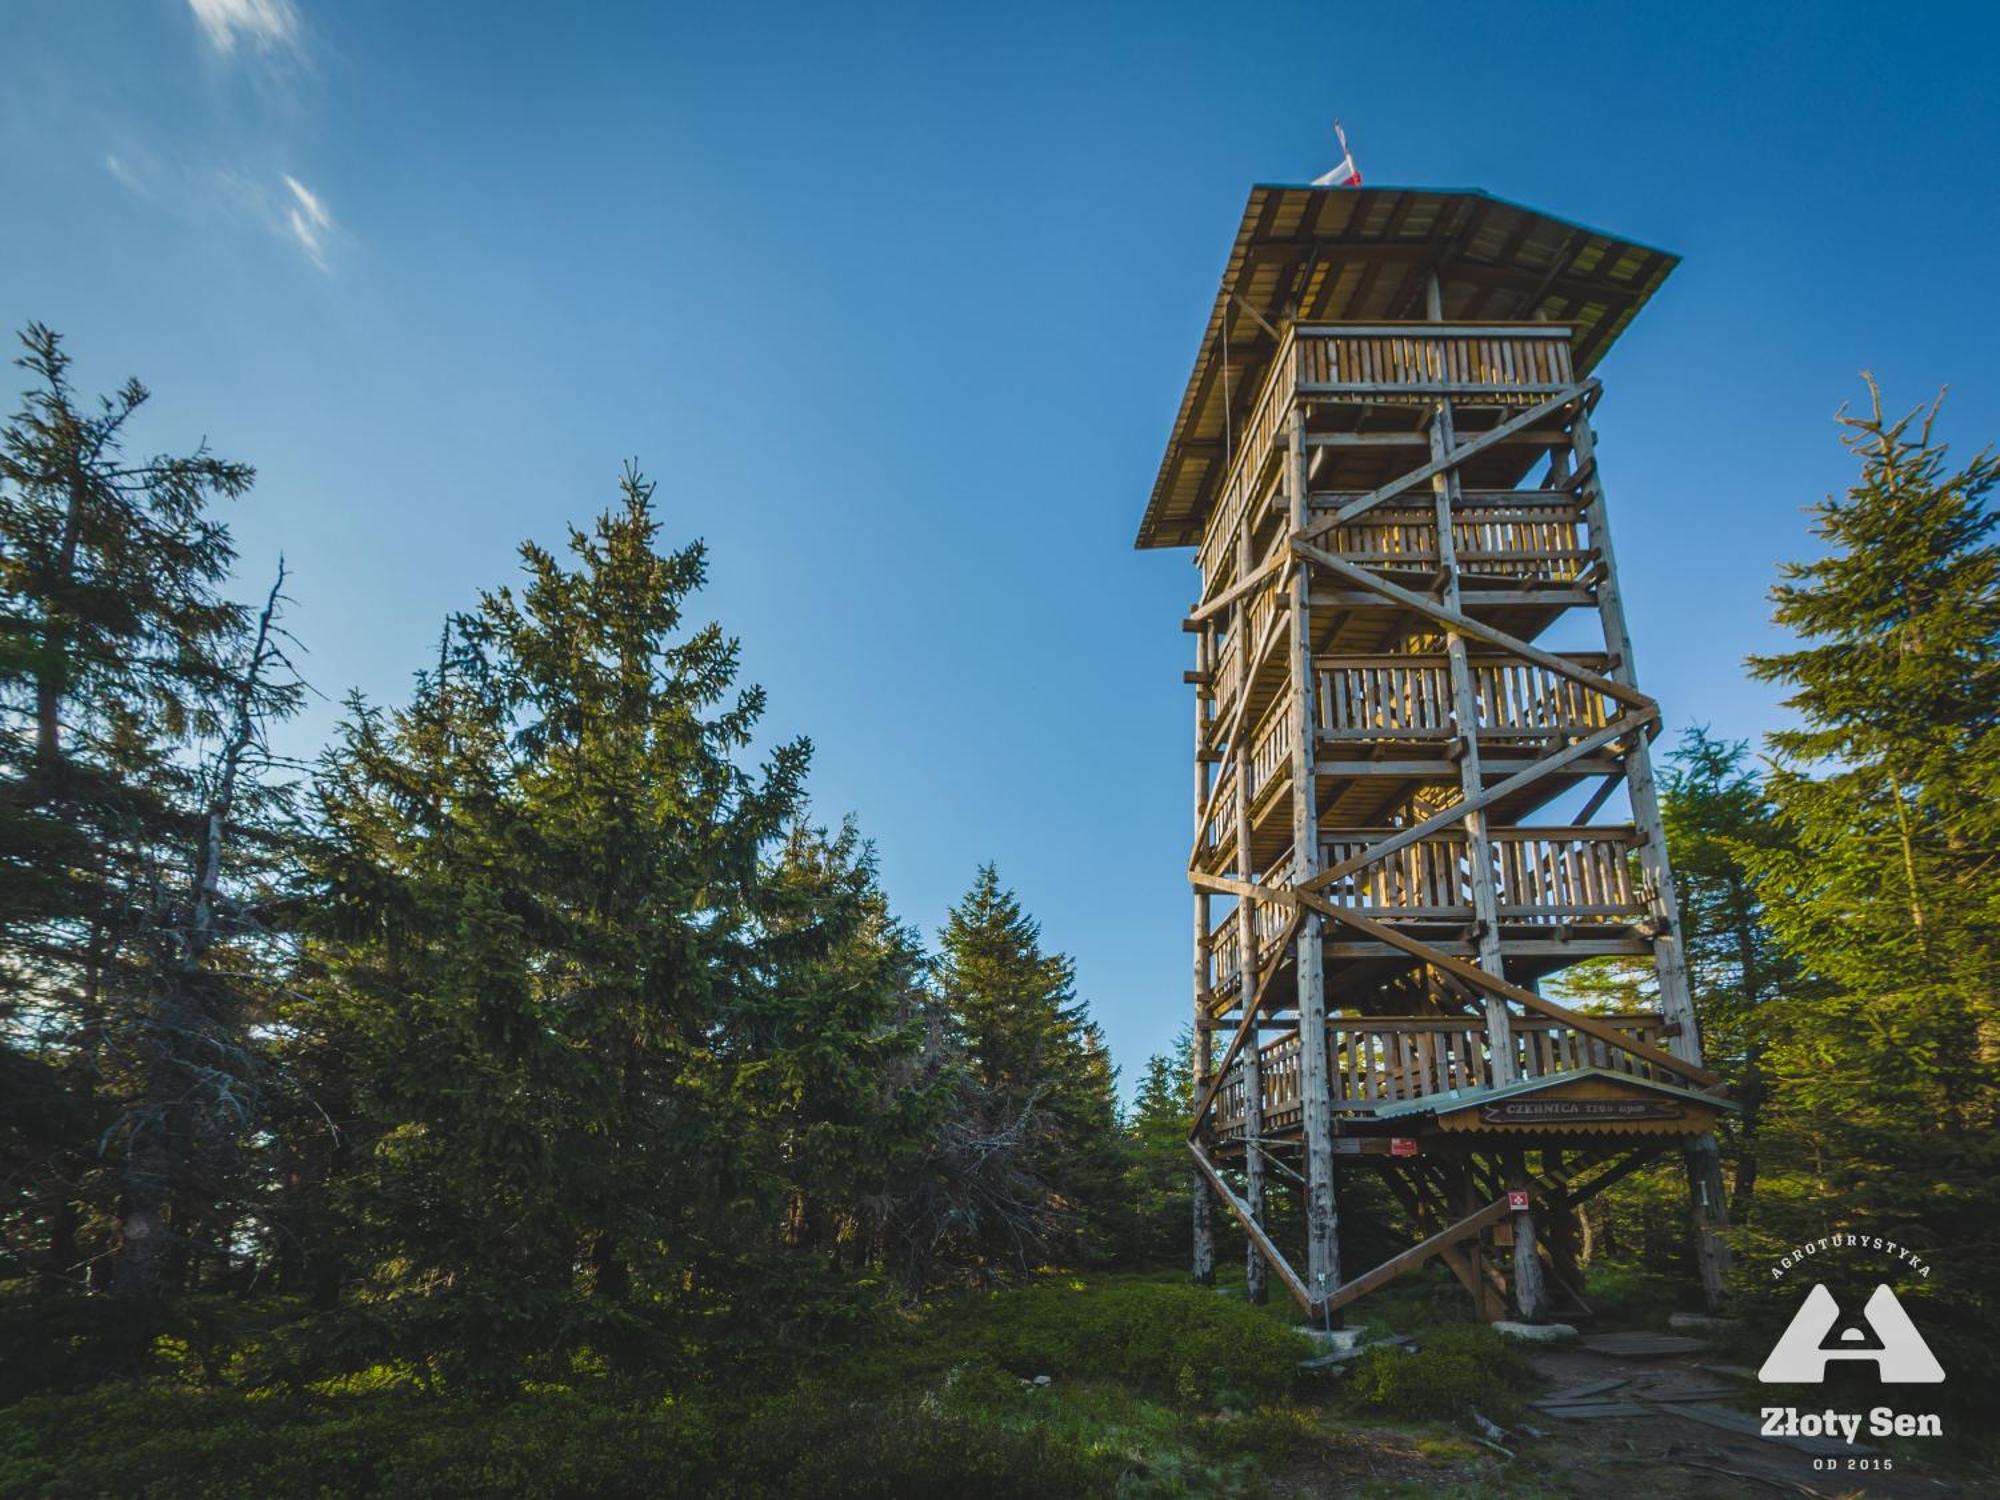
<point x="1271" y="747"/>
<point x="1267" y="919"/>
<point x="1378" y="1060"/>
<point x="1261" y="431"/>
<point x="1528" y="541"/>
<point x="1518" y="363"/>
<point x="1500" y="364"/>
<point x="1552" y="875"/>
<point x="1409" y="697"/>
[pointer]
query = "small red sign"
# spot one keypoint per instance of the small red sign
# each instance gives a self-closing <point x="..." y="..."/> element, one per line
<point x="1517" y="1199"/>
<point x="1403" y="1145"/>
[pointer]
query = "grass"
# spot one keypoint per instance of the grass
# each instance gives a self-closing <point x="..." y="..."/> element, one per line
<point x="1152" y="1388"/>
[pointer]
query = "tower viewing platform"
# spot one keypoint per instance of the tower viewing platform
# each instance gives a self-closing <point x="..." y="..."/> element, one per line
<point x="1422" y="784"/>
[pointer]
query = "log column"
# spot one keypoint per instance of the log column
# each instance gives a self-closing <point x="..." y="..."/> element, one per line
<point x="1529" y="1294"/>
<point x="1254" y="1279"/>
<point x="1202" y="1267"/>
<point x="1315" y="1082"/>
<point x="1708" y="1207"/>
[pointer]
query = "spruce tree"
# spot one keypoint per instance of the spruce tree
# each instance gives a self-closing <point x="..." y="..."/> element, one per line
<point x="1157" y="1172"/>
<point x="1031" y="1045"/>
<point x="142" y="834"/>
<point x="1883" y="1082"/>
<point x="547" y="882"/>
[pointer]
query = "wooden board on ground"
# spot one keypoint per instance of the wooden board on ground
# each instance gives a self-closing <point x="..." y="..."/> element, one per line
<point x="1583" y="1411"/>
<point x="1747" y="1426"/>
<point x="1687" y="1393"/>
<point x="1642" y="1345"/>
<point x="1570" y="1395"/>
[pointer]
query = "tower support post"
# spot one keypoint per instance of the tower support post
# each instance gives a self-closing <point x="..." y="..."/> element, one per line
<point x="1708" y="1207"/>
<point x="1465" y="711"/>
<point x="1315" y="1082"/>
<point x="1202" y="1264"/>
<point x="1255" y="1281"/>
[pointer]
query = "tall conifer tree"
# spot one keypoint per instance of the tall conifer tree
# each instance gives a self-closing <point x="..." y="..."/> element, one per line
<point x="1885" y="1063"/>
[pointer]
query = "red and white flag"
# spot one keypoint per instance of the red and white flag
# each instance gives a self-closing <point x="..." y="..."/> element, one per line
<point x="1346" y="174"/>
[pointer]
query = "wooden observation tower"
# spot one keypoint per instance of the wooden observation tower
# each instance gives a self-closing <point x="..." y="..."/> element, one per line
<point x="1416" y="800"/>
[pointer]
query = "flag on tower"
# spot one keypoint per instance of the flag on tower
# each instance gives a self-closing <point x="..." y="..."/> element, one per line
<point x="1346" y="174"/>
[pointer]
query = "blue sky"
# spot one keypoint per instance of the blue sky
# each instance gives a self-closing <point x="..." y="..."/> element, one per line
<point x="896" y="304"/>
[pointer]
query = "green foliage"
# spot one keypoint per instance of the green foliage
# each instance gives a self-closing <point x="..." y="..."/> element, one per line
<point x="143" y="841"/>
<point x="1179" y="1342"/>
<point x="1040" y="1060"/>
<point x="1883" y="1092"/>
<point x="1158" y="1173"/>
<point x="1457" y="1368"/>
<point x="192" y="1446"/>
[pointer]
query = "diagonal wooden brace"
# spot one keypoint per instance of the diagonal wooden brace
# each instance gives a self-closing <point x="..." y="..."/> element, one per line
<point x="1252" y="1228"/>
<point x="1585" y="389"/>
<point x="1246" y="585"/>
<point x="1245" y="1028"/>
<point x="1451" y="619"/>
<point x="1417" y="1254"/>
<point x="1493" y="984"/>
<point x="1463" y="808"/>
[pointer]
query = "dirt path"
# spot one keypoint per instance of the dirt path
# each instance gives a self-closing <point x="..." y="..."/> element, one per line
<point x="1641" y="1448"/>
<point x="1663" y="1436"/>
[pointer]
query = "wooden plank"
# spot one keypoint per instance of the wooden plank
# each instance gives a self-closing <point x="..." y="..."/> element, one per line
<point x="1747" y="1426"/>
<point x="1451" y="460"/>
<point x="1595" y="1410"/>
<point x="1465" y="625"/>
<point x="1272" y="1256"/>
<point x="1477" y="977"/>
<point x="1570" y="1395"/>
<point x="1418" y="1253"/>
<point x="1642" y="1345"/>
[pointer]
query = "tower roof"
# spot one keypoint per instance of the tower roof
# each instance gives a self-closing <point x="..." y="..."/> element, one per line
<point x="1360" y="254"/>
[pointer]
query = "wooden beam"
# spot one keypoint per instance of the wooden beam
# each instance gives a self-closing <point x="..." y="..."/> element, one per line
<point x="1458" y="455"/>
<point x="1571" y="1196"/>
<point x="1465" y="625"/>
<point x="1235" y="591"/>
<point x="1417" y="1254"/>
<point x="1628" y="724"/>
<point x="1493" y="984"/>
<point x="1272" y="1256"/>
<point x="1244" y="1028"/>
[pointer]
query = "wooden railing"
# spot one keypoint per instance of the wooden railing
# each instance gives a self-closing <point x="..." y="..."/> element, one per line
<point x="1553" y="875"/>
<point x="1496" y="364"/>
<point x="1537" y="541"/>
<point x="1233" y="661"/>
<point x="1409" y="697"/>
<point x="1259" y="434"/>
<point x="1225" y="959"/>
<point x="1271" y="746"/>
<point x="1373" y="1061"/>
<point x="1383" y="1060"/>
<point x="1521" y="361"/>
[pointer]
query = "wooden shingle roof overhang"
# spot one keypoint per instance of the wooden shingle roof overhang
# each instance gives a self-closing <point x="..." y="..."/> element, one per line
<point x="1306" y="254"/>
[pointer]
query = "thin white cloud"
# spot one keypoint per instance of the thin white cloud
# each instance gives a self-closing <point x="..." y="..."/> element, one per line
<point x="264" y="24"/>
<point x="308" y="219"/>
<point x="120" y="169"/>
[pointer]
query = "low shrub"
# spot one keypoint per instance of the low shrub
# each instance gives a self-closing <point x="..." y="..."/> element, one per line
<point x="1457" y="1367"/>
<point x="1180" y="1342"/>
<point x="171" y="1444"/>
<point x="180" y="1445"/>
<point x="809" y="1447"/>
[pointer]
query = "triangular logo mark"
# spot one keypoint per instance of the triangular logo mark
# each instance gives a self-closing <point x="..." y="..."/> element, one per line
<point x="1901" y="1356"/>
